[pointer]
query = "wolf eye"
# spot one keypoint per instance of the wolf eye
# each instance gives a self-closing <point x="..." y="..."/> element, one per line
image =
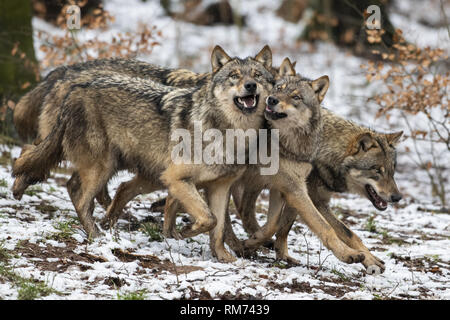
<point x="279" y="88"/>
<point x="377" y="170"/>
<point x="296" y="97"/>
<point x="257" y="74"/>
<point x="234" y="76"/>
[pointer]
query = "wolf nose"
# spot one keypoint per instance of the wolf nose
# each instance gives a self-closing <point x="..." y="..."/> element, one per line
<point x="396" y="197"/>
<point x="250" y="86"/>
<point x="272" y="101"/>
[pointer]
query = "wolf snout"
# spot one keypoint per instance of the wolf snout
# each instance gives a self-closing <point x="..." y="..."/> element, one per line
<point x="396" y="197"/>
<point x="250" y="86"/>
<point x="272" y="101"/>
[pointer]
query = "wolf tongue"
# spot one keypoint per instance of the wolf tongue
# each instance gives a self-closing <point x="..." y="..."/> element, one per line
<point x="248" y="101"/>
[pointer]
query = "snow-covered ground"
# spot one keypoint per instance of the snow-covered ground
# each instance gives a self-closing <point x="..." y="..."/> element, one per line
<point x="43" y="240"/>
<point x="43" y="237"/>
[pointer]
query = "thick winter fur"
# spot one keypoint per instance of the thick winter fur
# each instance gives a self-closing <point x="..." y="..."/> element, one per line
<point x="349" y="158"/>
<point x="114" y="122"/>
<point x="28" y="109"/>
<point x="289" y="108"/>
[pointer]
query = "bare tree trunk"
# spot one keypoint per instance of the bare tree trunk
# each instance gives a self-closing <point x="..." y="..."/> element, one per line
<point x="18" y="66"/>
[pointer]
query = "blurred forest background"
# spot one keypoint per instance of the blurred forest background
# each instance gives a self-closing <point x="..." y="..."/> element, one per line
<point x="412" y="81"/>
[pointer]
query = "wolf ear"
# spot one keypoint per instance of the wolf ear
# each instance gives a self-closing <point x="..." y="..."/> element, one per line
<point x="265" y="57"/>
<point x="393" y="138"/>
<point x="363" y="142"/>
<point x="218" y="58"/>
<point x="286" y="68"/>
<point x="366" y="141"/>
<point x="320" y="87"/>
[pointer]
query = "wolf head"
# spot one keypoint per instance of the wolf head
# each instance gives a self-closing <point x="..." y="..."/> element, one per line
<point x="242" y="85"/>
<point x="295" y="101"/>
<point x="372" y="161"/>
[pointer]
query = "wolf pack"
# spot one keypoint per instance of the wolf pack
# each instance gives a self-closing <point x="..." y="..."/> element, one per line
<point x="109" y="115"/>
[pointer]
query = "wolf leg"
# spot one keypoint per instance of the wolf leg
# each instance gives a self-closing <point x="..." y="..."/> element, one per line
<point x="103" y="197"/>
<point x="372" y="263"/>
<point x="170" y="214"/>
<point x="291" y="182"/>
<point x="74" y="187"/>
<point x="178" y="179"/>
<point x="247" y="210"/>
<point x="316" y="222"/>
<point x="237" y="192"/>
<point x="92" y="179"/>
<point x="218" y="195"/>
<point x="125" y="193"/>
<point x="276" y="204"/>
<point x="287" y="219"/>
<point x="232" y="241"/>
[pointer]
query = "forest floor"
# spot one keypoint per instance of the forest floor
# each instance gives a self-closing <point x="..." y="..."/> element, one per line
<point x="45" y="254"/>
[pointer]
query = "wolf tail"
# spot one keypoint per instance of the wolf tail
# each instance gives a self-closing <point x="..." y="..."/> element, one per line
<point x="36" y="161"/>
<point x="26" y="112"/>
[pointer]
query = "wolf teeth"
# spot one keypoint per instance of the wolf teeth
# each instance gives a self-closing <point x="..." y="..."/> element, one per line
<point x="245" y="103"/>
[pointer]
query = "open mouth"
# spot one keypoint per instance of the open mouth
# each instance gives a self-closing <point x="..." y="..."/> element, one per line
<point x="247" y="103"/>
<point x="376" y="200"/>
<point x="273" y="115"/>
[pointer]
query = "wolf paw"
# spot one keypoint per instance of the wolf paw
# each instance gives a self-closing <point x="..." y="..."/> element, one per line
<point x="246" y="252"/>
<point x="224" y="256"/>
<point x="106" y="223"/>
<point x="198" y="227"/>
<point x="172" y="234"/>
<point x="373" y="264"/>
<point x="289" y="260"/>
<point x="374" y="270"/>
<point x="354" y="258"/>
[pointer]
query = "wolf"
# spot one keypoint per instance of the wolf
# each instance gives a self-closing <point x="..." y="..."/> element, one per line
<point x="29" y="108"/>
<point x="115" y="122"/>
<point x="350" y="158"/>
<point x="26" y="112"/>
<point x="293" y="108"/>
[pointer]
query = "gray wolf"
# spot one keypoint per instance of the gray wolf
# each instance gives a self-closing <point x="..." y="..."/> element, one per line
<point x="114" y="122"/>
<point x="29" y="108"/>
<point x="293" y="108"/>
<point x="27" y="111"/>
<point x="350" y="158"/>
